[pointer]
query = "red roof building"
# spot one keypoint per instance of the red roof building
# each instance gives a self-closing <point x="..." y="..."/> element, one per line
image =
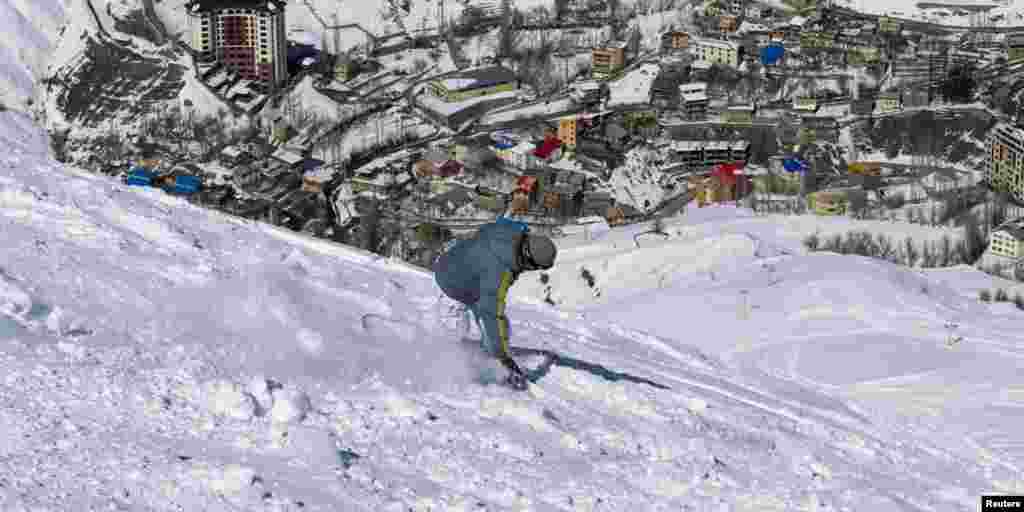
<point x="548" y="148"/>
<point x="450" y="168"/>
<point x="526" y="183"/>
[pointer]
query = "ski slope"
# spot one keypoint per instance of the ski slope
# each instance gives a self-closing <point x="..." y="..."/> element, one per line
<point x="156" y="356"/>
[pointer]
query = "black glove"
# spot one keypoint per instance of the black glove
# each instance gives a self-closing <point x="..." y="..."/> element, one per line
<point x="517" y="380"/>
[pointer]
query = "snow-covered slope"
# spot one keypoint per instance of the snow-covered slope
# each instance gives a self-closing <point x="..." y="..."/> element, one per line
<point x="31" y="29"/>
<point x="157" y="356"/>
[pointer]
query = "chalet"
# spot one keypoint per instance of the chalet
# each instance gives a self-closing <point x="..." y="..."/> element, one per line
<point x="700" y="153"/>
<point x="615" y="215"/>
<point x="491" y="200"/>
<point x="674" y="40"/>
<point x="739" y="114"/>
<point x="597" y="203"/>
<point x="274" y="168"/>
<point x="587" y="92"/>
<point x="450" y="168"/>
<point x="713" y="51"/>
<point x="378" y="183"/>
<point x="1015" y="47"/>
<point x="942" y="181"/>
<point x="234" y="155"/>
<point x="1007" y="240"/>
<point x="728" y="24"/>
<point x="862" y="56"/>
<point x="247" y="175"/>
<point x="615" y="134"/>
<point x="838" y="201"/>
<point x="522" y="155"/>
<point x="823" y="127"/>
<point x="424" y="168"/>
<point x="314" y="179"/>
<point x="695" y="100"/>
<point x="549" y="150"/>
<point x="889" y="25"/>
<point x="805" y="104"/>
<point x="289" y="157"/>
<point x="217" y="174"/>
<point x="862" y="105"/>
<point x="606" y="62"/>
<point x="718" y="151"/>
<point x="889" y="102"/>
<point x="726" y="183"/>
<point x="864" y="168"/>
<point x="452" y="201"/>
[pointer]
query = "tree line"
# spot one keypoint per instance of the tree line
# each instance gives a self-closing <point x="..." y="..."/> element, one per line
<point x="931" y="254"/>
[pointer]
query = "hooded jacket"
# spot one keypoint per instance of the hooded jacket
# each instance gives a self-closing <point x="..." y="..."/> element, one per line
<point x="480" y="270"/>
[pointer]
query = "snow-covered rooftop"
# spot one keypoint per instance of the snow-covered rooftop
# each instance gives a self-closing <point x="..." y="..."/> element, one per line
<point x="288" y="156"/>
<point x="635" y="86"/>
<point x="698" y="42"/>
<point x="322" y="174"/>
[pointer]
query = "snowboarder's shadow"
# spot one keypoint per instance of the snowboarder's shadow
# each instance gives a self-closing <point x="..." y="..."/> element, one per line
<point x="552" y="358"/>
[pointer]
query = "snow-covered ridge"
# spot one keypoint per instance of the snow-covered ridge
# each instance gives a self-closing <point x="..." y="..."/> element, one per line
<point x="31" y="31"/>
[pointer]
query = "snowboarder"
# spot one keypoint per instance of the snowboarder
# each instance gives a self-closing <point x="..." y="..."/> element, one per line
<point x="478" y="272"/>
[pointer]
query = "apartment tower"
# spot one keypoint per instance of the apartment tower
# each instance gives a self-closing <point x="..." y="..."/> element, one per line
<point x="247" y="36"/>
<point x="1005" y="159"/>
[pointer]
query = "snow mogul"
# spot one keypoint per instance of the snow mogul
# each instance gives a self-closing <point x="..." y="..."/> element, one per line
<point x="477" y="273"/>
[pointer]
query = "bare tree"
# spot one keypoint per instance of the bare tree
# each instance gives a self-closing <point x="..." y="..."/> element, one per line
<point x="910" y="252"/>
<point x="946" y="251"/>
<point x="369" y="225"/>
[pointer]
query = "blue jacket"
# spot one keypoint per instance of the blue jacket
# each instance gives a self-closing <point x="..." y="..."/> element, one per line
<point x="479" y="271"/>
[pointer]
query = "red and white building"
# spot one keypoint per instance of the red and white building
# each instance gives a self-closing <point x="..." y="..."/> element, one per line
<point x="247" y="36"/>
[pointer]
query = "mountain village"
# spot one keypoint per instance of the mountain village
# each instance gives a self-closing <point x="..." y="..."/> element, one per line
<point x="587" y="112"/>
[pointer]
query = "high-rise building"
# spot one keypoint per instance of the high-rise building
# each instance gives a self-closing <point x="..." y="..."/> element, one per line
<point x="1015" y="46"/>
<point x="567" y="131"/>
<point x="245" y="35"/>
<point x="1004" y="171"/>
<point x="608" y="60"/>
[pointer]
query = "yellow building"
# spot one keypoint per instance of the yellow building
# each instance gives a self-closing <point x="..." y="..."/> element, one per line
<point x="817" y="39"/>
<point x="862" y="55"/>
<point x="474" y="83"/>
<point x="739" y="114"/>
<point x="457" y="152"/>
<point x="805" y="103"/>
<point x="713" y="51"/>
<point x="864" y="168"/>
<point x="890" y="25"/>
<point x="828" y="203"/>
<point x="344" y="70"/>
<point x="1008" y="240"/>
<point x="567" y="131"/>
<point x="1004" y="169"/>
<point x="889" y="102"/>
<point x="1015" y="47"/>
